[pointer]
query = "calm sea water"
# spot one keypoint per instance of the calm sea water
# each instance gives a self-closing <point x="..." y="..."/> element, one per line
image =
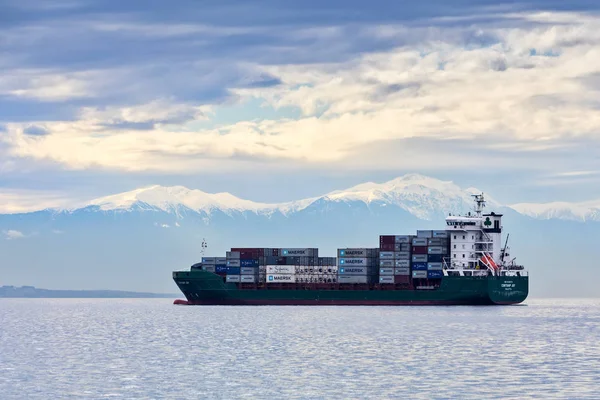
<point x="134" y="349"/>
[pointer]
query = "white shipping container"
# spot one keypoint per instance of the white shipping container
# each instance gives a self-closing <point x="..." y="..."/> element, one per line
<point x="386" y="279"/>
<point x="232" y="278"/>
<point x="281" y="269"/>
<point x="386" y="255"/>
<point x="248" y="271"/>
<point x="233" y="263"/>
<point x="402" y="239"/>
<point x="402" y="255"/>
<point x="386" y="271"/>
<point x="220" y="260"/>
<point x="419" y="258"/>
<point x="355" y="261"/>
<point x="386" y="263"/>
<point x="209" y="268"/>
<point x="434" y="266"/>
<point x="208" y="260"/>
<point x="437" y="242"/>
<point x="424" y="234"/>
<point x="248" y="278"/>
<point x="419" y="242"/>
<point x="436" y="250"/>
<point x="347" y="253"/>
<point x="419" y="274"/>
<point x="402" y="263"/>
<point x="281" y="278"/>
<point x="355" y="270"/>
<point x="353" y="279"/>
<point x="233" y="255"/>
<point x="402" y="271"/>
<point x="298" y="252"/>
<point x="440" y="234"/>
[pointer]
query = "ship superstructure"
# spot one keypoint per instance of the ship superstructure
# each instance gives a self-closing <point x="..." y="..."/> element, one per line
<point x="476" y="243"/>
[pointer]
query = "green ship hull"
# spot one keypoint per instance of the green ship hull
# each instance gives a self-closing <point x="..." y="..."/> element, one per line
<point x="206" y="288"/>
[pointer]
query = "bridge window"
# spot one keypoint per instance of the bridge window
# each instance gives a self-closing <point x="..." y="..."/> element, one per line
<point x="463" y="256"/>
<point x="464" y="237"/>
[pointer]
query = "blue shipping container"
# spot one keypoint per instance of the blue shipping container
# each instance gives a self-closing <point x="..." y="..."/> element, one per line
<point x="222" y="269"/>
<point x="435" y="257"/>
<point x="420" y="266"/>
<point x="434" y="274"/>
<point x="249" y="263"/>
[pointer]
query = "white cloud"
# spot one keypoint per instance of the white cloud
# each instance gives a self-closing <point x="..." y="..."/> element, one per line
<point x="46" y="85"/>
<point x="13" y="234"/>
<point x="14" y="201"/>
<point x="577" y="173"/>
<point x="479" y="83"/>
<point x="159" y="111"/>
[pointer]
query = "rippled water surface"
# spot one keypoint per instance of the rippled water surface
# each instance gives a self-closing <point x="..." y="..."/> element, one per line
<point x="80" y="348"/>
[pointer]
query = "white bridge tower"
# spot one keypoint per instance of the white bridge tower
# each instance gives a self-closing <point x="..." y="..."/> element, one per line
<point x="475" y="239"/>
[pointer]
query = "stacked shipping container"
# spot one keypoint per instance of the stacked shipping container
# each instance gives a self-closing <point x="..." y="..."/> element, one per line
<point x="398" y="259"/>
<point x="358" y="265"/>
<point x="394" y="259"/>
<point x="429" y="248"/>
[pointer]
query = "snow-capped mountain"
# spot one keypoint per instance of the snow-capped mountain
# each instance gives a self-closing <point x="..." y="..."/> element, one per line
<point x="168" y="199"/>
<point x="134" y="240"/>
<point x="584" y="211"/>
<point x="421" y="196"/>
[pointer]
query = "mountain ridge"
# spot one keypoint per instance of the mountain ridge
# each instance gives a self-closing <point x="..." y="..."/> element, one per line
<point x="124" y="243"/>
<point x="422" y="196"/>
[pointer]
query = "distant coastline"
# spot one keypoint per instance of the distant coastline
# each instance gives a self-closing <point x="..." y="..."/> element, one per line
<point x="33" y="292"/>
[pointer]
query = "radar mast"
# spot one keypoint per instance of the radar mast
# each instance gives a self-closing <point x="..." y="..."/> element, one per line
<point x="204" y="246"/>
<point x="480" y="203"/>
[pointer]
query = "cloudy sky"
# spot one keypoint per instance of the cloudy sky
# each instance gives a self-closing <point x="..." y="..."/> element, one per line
<point x="278" y="100"/>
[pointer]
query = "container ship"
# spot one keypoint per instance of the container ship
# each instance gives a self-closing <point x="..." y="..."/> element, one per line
<point x="464" y="264"/>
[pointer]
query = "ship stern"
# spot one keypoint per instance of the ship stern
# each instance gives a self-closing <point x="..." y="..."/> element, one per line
<point x="508" y="289"/>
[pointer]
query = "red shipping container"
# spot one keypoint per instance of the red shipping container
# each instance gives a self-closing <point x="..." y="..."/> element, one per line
<point x="419" y="250"/>
<point x="386" y="247"/>
<point x="245" y="255"/>
<point x="402" y="279"/>
<point x="387" y="240"/>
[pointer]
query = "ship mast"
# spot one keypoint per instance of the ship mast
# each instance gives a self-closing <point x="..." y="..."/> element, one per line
<point x="480" y="201"/>
<point x="204" y="246"/>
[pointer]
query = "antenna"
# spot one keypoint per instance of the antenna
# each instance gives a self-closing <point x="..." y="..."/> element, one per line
<point x="503" y="253"/>
<point x="480" y="201"/>
<point x="204" y="246"/>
